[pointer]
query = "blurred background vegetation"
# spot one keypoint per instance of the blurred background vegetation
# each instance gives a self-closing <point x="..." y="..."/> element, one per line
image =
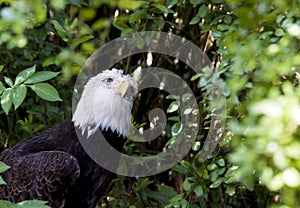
<point x="253" y="44"/>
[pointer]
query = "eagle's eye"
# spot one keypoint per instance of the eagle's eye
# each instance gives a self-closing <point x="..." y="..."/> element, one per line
<point x="109" y="80"/>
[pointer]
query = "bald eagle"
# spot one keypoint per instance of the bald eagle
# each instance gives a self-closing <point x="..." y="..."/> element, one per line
<point x="53" y="166"/>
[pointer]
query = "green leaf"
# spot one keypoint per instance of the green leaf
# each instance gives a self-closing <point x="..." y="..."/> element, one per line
<point x="248" y="182"/>
<point x="196" y="76"/>
<point x="6" y="101"/>
<point x="46" y="91"/>
<point x="23" y="75"/>
<point x="180" y="169"/>
<point x="177" y="198"/>
<point x="174" y="106"/>
<point x="74" y="24"/>
<point x="196" y="146"/>
<point x="5" y="204"/>
<point x="2" y="88"/>
<point x="212" y="166"/>
<point x="174" y="118"/>
<point x="184" y="203"/>
<point x="83" y="39"/>
<point x="203" y="10"/>
<point x="198" y="190"/>
<point x="121" y="26"/>
<point x="172" y="3"/>
<point x="195" y="20"/>
<point x="2" y="182"/>
<point x="176" y="129"/>
<point x="3" y="167"/>
<point x="202" y="82"/>
<point x="129" y="4"/>
<point x="163" y="8"/>
<point x="8" y="81"/>
<point x="221" y="162"/>
<point x="18" y="95"/>
<point x="169" y="97"/>
<point x="187" y="185"/>
<point x="61" y="31"/>
<point x="167" y="191"/>
<point x="230" y="190"/>
<point x="158" y="197"/>
<point x="137" y="15"/>
<point x="1" y="67"/>
<point x="216" y="183"/>
<point x="41" y="76"/>
<point x="33" y="204"/>
<point x="142" y="183"/>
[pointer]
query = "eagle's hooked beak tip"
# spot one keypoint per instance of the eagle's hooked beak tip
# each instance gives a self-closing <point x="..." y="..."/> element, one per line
<point x="123" y="87"/>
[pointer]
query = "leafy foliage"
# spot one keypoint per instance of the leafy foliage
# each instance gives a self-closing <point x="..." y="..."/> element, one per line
<point x="16" y="92"/>
<point x="24" y="204"/>
<point x="254" y="46"/>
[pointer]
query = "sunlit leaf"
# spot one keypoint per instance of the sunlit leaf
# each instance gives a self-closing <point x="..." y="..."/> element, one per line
<point x="187" y="185"/>
<point x="6" y="101"/>
<point x="172" y="3"/>
<point x="216" y="183"/>
<point x="8" y="81"/>
<point x="174" y="106"/>
<point x="33" y="204"/>
<point x="3" y="167"/>
<point x="196" y="76"/>
<point x="176" y="129"/>
<point x="24" y="74"/>
<point x="5" y="204"/>
<point x="2" y="182"/>
<point x="46" y="91"/>
<point x="2" y="88"/>
<point x="230" y="190"/>
<point x="221" y="162"/>
<point x="18" y="95"/>
<point x="198" y="190"/>
<point x="41" y="76"/>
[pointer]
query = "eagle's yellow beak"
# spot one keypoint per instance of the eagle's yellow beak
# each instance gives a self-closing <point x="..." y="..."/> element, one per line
<point x="123" y="87"/>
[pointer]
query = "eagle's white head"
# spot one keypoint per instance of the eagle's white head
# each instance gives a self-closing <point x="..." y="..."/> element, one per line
<point x="106" y="103"/>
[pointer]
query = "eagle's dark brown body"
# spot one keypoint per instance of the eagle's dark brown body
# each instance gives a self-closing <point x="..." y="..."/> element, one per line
<point x="54" y="167"/>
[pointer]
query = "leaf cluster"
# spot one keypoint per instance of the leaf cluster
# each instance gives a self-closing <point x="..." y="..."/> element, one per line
<point x="253" y="45"/>
<point x="16" y="91"/>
